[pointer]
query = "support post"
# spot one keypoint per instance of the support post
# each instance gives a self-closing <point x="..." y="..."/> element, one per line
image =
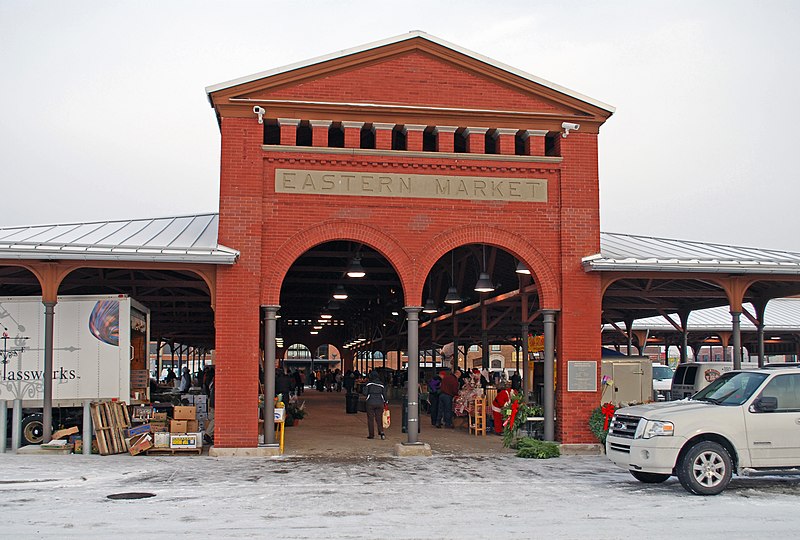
<point x="526" y="368"/>
<point x="549" y="387"/>
<point x="737" y="340"/>
<point x="47" y="409"/>
<point x="269" y="373"/>
<point x="761" y="360"/>
<point x="3" y="425"/>
<point x="86" y="433"/>
<point x="16" y="426"/>
<point x="413" y="374"/>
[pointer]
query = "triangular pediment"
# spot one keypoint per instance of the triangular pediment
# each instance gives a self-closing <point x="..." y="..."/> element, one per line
<point x="418" y="72"/>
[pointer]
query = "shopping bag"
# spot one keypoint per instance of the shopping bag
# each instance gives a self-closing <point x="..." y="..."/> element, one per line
<point x="387" y="416"/>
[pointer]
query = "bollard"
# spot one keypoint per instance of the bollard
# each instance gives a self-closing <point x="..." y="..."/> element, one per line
<point x="16" y="426"/>
<point x="3" y="425"/>
<point x="86" y="434"/>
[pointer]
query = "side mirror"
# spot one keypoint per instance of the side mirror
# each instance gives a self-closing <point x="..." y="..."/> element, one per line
<point x="765" y="404"/>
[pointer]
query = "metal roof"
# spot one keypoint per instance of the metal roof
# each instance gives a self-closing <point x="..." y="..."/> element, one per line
<point x="781" y="314"/>
<point x="185" y="239"/>
<point x="398" y="39"/>
<point x="625" y="252"/>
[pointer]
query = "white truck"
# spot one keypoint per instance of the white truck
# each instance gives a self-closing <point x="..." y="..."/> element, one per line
<point x="743" y="422"/>
<point x="99" y="353"/>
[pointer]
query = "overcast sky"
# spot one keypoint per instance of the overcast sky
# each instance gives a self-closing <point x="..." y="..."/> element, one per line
<point x="106" y="115"/>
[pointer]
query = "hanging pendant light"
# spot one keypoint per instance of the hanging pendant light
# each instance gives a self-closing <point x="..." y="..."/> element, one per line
<point x="522" y="269"/>
<point x="484" y="283"/>
<point x="356" y="270"/>
<point x="430" y="306"/>
<point x="339" y="293"/>
<point x="452" y="296"/>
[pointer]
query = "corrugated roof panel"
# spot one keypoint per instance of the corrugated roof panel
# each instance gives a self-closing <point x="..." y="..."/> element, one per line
<point x="174" y="239"/>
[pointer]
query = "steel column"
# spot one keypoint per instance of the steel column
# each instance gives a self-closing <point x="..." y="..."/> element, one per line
<point x="526" y="370"/>
<point x="3" y="425"/>
<point x="413" y="373"/>
<point x="760" y="328"/>
<point x="737" y="340"/>
<point x="549" y="366"/>
<point x="86" y="434"/>
<point x="16" y="426"/>
<point x="47" y="412"/>
<point x="270" y="332"/>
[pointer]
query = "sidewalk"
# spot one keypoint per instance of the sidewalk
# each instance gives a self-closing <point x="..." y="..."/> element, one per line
<point x="327" y="430"/>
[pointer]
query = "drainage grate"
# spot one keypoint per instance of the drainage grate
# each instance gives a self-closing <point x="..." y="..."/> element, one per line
<point x="130" y="495"/>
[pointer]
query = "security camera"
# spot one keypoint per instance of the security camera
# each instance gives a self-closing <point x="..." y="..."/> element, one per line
<point x="568" y="126"/>
<point x="261" y="112"/>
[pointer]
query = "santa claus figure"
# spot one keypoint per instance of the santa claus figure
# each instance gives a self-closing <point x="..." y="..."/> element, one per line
<point x="503" y="397"/>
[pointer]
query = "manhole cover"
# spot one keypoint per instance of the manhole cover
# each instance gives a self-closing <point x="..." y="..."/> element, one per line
<point x="132" y="495"/>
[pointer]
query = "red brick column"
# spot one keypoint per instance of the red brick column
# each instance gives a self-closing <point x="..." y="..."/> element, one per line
<point x="476" y="141"/>
<point x="352" y="134"/>
<point x="505" y="141"/>
<point x="444" y="138"/>
<point x="288" y="131"/>
<point x="319" y="132"/>
<point x="237" y="311"/>
<point x="414" y="137"/>
<point x="383" y="135"/>
<point x="576" y="325"/>
<point x="534" y="142"/>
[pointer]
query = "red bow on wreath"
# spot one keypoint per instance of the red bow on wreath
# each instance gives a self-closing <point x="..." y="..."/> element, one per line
<point x="514" y="409"/>
<point x="608" y="412"/>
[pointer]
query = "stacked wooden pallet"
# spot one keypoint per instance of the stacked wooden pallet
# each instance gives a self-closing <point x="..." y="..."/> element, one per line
<point x="111" y="423"/>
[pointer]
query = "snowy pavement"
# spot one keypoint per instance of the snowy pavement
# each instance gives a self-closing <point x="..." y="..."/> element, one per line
<point x="436" y="497"/>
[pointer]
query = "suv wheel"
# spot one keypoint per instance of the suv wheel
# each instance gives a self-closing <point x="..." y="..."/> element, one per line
<point x="706" y="469"/>
<point x="32" y="429"/>
<point x="649" y="478"/>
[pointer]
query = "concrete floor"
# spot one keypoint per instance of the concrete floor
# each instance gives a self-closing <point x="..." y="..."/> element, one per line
<point x="327" y="430"/>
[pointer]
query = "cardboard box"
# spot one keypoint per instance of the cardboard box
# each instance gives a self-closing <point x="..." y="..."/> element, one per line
<point x="138" y="430"/>
<point x="159" y="427"/>
<point x="178" y="426"/>
<point x="159" y="417"/>
<point x="280" y="414"/>
<point x="140" y="443"/>
<point x="184" y="413"/>
<point x="192" y="426"/>
<point x="186" y="440"/>
<point x="161" y="440"/>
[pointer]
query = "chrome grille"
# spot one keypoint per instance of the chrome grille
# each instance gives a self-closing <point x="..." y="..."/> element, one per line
<point x="625" y="448"/>
<point x="623" y="426"/>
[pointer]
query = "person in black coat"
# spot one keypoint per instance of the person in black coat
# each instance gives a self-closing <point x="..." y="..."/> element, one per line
<point x="283" y="384"/>
<point x="375" y="399"/>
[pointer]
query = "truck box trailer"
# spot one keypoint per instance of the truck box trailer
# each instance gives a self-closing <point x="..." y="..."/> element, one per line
<point x="99" y="353"/>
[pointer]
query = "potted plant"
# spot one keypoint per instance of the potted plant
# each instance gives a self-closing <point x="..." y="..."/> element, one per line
<point x="294" y="413"/>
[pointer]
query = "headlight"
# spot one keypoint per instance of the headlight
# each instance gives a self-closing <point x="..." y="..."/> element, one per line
<point x="654" y="428"/>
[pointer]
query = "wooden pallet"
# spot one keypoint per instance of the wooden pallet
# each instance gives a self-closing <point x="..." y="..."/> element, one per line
<point x="111" y="422"/>
<point x="172" y="451"/>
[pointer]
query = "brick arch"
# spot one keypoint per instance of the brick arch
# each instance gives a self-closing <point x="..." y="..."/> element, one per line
<point x="546" y="277"/>
<point x="275" y="269"/>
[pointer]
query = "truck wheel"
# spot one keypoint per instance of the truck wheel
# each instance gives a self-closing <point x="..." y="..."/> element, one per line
<point x="649" y="478"/>
<point x="32" y="429"/>
<point x="706" y="469"/>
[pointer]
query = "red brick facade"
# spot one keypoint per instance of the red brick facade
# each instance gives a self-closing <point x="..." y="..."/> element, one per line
<point x="272" y="229"/>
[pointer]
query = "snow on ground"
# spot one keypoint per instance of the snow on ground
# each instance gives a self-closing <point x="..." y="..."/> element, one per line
<point x="437" y="497"/>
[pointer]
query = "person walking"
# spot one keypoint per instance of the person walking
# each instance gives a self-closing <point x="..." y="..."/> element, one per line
<point x="433" y="398"/>
<point x="375" y="400"/>
<point x="447" y="390"/>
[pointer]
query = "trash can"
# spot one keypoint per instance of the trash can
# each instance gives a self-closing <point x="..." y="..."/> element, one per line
<point x="351" y="403"/>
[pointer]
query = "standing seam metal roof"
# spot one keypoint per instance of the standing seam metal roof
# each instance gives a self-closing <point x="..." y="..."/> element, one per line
<point x="189" y="239"/>
<point x="625" y="252"/>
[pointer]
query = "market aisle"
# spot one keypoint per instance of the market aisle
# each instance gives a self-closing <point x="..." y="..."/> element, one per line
<point x="327" y="430"/>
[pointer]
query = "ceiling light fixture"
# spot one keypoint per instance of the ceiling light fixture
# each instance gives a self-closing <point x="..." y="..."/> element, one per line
<point x="484" y="284"/>
<point x="356" y="270"/>
<point x="339" y="293"/>
<point x="522" y="269"/>
<point x="452" y="296"/>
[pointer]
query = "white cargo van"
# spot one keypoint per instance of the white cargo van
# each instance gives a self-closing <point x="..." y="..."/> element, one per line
<point x="691" y="377"/>
<point x="662" y="382"/>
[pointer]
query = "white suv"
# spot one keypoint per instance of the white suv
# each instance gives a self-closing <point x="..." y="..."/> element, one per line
<point x="743" y="420"/>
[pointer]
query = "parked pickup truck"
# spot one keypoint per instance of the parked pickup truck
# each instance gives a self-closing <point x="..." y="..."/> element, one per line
<point x="743" y="421"/>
